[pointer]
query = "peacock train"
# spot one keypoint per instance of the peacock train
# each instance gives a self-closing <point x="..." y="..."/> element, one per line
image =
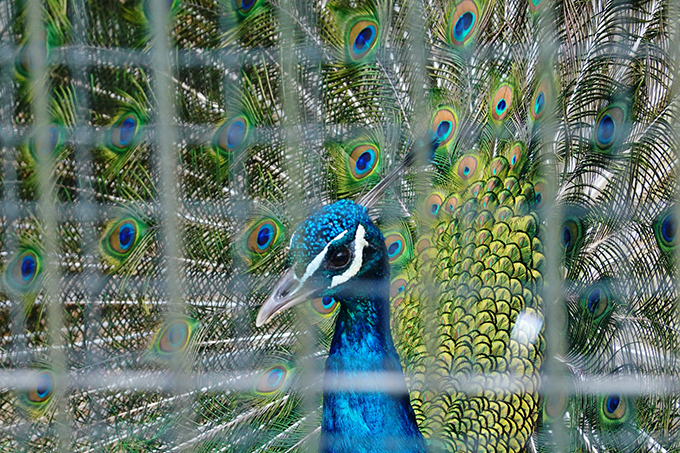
<point x="339" y="226"/>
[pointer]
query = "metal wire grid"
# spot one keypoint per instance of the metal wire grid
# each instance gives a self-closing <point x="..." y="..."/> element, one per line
<point x="173" y="288"/>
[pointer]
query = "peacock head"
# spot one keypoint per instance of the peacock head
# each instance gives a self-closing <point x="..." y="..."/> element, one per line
<point x="336" y="253"/>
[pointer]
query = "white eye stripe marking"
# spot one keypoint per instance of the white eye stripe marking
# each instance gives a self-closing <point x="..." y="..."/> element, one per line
<point x="318" y="259"/>
<point x="359" y="244"/>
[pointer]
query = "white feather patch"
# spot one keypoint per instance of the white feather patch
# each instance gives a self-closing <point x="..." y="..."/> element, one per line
<point x="359" y="244"/>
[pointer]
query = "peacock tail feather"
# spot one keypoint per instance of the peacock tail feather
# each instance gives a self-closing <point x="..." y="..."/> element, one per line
<point x="158" y="157"/>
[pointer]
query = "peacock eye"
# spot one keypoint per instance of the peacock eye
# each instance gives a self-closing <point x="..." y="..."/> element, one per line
<point x="339" y="258"/>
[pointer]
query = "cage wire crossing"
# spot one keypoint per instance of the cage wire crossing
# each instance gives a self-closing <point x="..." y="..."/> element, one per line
<point x="518" y="158"/>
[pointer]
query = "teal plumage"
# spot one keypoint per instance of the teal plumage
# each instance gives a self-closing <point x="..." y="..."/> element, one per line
<point x="148" y="213"/>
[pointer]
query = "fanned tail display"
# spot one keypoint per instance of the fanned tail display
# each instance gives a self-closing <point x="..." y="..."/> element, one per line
<point x="367" y="226"/>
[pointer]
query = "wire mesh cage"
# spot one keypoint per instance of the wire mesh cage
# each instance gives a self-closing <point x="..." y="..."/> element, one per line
<point x="503" y="278"/>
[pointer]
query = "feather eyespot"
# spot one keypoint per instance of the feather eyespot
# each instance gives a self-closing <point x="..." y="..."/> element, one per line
<point x="516" y="154"/>
<point x="499" y="167"/>
<point x="476" y="188"/>
<point x="540" y="100"/>
<point x="395" y="244"/>
<point x="231" y="135"/>
<point x="325" y="305"/>
<point x="124" y="132"/>
<point x="362" y="38"/>
<point x="608" y="127"/>
<point x="46" y="142"/>
<point x="38" y="394"/>
<point x="451" y="204"/>
<point x="569" y="235"/>
<point x="24" y="62"/>
<point x="263" y="236"/>
<point x="666" y="231"/>
<point x="614" y="406"/>
<point x="669" y="228"/>
<point x="174" y="337"/>
<point x="122" y="237"/>
<point x="24" y="270"/>
<point x="432" y="205"/>
<point x="554" y="407"/>
<point x="463" y="22"/>
<point x="363" y="160"/>
<point x="501" y="103"/>
<point x="467" y="167"/>
<point x="539" y="195"/>
<point x="597" y="302"/>
<point x="245" y="6"/>
<point x="397" y="288"/>
<point x="444" y="124"/>
<point x="28" y="267"/>
<point x="42" y="387"/>
<point x="271" y="380"/>
<point x="536" y="5"/>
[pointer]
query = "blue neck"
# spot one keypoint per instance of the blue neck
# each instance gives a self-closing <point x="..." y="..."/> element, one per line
<point x="366" y="413"/>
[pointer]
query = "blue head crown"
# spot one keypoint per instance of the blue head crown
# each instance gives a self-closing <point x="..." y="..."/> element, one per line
<point x="326" y="225"/>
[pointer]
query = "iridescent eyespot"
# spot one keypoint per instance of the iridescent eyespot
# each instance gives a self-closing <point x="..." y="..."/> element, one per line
<point x="46" y="142"/>
<point x="467" y="167"/>
<point x="422" y="245"/>
<point x="539" y="195"/>
<point x="463" y="22"/>
<point x="501" y="103"/>
<point x="669" y="228"/>
<point x="263" y="236"/>
<point x="476" y="188"/>
<point x="396" y="245"/>
<point x="231" y="135"/>
<point x="451" y="204"/>
<point x="174" y="336"/>
<point x="569" y="234"/>
<point x="608" y="127"/>
<point x="123" y="236"/>
<point x="554" y="407"/>
<point x="536" y="5"/>
<point x="124" y="132"/>
<point x="325" y="305"/>
<point x="540" y="100"/>
<point x="24" y="62"/>
<point x="614" y="406"/>
<point x="499" y="167"/>
<point x="432" y="205"/>
<point x="597" y="301"/>
<point x="271" y="380"/>
<point x="515" y="154"/>
<point x="363" y="160"/>
<point x="28" y="267"/>
<point x="397" y="288"/>
<point x="666" y="231"/>
<point x="24" y="270"/>
<point x="42" y="387"/>
<point x="245" y="6"/>
<point x="444" y="124"/>
<point x="362" y="38"/>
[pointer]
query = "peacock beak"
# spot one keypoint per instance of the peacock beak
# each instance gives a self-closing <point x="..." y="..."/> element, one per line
<point x="288" y="292"/>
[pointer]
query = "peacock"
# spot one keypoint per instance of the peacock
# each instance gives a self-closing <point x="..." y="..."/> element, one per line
<point x="339" y="225"/>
